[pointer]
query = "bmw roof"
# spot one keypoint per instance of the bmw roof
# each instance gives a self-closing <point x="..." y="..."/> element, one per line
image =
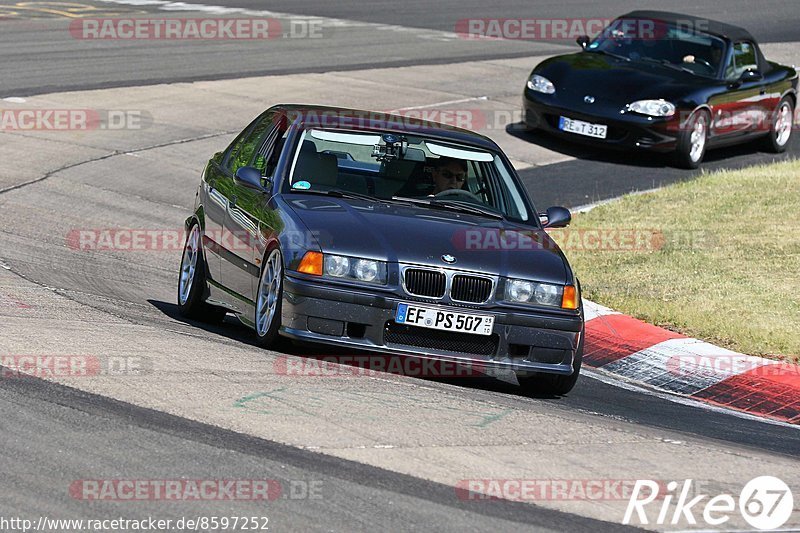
<point x="342" y="117"/>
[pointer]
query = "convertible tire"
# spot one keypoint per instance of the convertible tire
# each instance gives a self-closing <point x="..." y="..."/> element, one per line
<point x="554" y="384"/>
<point x="268" y="299"/>
<point x="192" y="281"/>
<point x="693" y="140"/>
<point x="781" y="127"/>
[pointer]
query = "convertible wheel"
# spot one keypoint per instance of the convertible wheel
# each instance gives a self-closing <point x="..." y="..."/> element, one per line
<point x="781" y="130"/>
<point x="692" y="141"/>
<point x="268" y="300"/>
<point x="552" y="383"/>
<point x="192" y="282"/>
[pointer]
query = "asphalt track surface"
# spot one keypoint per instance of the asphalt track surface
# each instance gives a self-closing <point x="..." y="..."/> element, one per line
<point x="44" y="56"/>
<point x="53" y="434"/>
<point x="115" y="436"/>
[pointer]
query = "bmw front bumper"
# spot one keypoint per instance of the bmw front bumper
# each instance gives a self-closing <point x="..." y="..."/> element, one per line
<point x="524" y="342"/>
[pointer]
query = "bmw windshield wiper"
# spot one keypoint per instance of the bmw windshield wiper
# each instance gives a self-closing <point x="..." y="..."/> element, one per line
<point x="338" y="193"/>
<point x="453" y="205"/>
<point x="606" y="52"/>
<point x="468" y="208"/>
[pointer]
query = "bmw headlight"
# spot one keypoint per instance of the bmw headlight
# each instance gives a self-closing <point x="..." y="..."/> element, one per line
<point x="535" y="293"/>
<point x="366" y="270"/>
<point x="653" y="108"/>
<point x="337" y="266"/>
<point x="540" y="84"/>
<point x="354" y="268"/>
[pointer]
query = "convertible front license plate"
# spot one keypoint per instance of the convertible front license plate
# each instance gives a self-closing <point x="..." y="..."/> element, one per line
<point x="433" y="318"/>
<point x="580" y="127"/>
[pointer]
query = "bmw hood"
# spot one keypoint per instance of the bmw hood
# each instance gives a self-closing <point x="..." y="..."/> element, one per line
<point x="421" y="235"/>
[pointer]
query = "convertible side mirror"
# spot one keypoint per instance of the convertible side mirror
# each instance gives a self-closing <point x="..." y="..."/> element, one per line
<point x="556" y="217"/>
<point x="749" y="75"/>
<point x="249" y="177"/>
<point x="583" y="41"/>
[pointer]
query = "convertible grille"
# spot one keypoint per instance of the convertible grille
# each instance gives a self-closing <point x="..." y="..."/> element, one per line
<point x="442" y="341"/>
<point x="430" y="283"/>
<point x="471" y="289"/>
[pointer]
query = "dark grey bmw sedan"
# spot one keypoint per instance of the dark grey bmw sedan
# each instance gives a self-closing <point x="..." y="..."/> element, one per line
<point x="377" y="232"/>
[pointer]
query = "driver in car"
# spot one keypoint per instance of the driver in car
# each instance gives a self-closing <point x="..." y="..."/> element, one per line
<point x="448" y="173"/>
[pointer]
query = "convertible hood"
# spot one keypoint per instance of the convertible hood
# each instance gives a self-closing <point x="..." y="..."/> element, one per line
<point x="421" y="235"/>
<point x="614" y="82"/>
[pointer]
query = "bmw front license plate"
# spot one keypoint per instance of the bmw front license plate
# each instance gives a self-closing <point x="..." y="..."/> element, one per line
<point x="433" y="318"/>
<point x="580" y="127"/>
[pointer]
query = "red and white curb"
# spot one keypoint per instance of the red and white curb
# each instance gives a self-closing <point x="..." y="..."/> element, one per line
<point x="670" y="362"/>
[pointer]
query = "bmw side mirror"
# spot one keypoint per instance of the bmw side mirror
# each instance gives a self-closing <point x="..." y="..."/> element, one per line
<point x="249" y="177"/>
<point x="583" y="41"/>
<point x="556" y="217"/>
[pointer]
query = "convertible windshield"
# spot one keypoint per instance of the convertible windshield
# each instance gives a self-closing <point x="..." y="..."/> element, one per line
<point x="393" y="166"/>
<point x="664" y="43"/>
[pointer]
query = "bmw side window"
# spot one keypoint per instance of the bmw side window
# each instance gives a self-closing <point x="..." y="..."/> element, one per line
<point x="244" y="152"/>
<point x="236" y="146"/>
<point x="269" y="151"/>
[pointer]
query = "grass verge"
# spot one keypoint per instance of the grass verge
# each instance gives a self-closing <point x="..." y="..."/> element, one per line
<point x="717" y="258"/>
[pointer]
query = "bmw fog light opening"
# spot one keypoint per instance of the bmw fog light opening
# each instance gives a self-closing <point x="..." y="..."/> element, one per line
<point x="653" y="108"/>
<point x="355" y="268"/>
<point x="540" y="84"/>
<point x="534" y="293"/>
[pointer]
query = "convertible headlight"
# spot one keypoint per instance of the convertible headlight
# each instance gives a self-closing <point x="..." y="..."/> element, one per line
<point x="366" y="270"/>
<point x="540" y="84"/>
<point x="531" y="292"/>
<point x="653" y="108"/>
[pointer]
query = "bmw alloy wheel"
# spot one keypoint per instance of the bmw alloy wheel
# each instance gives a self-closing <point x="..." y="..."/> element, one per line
<point x="268" y="292"/>
<point x="189" y="263"/>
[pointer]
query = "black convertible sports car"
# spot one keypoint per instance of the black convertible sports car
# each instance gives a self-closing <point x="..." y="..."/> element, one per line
<point x="383" y="233"/>
<point x="664" y="82"/>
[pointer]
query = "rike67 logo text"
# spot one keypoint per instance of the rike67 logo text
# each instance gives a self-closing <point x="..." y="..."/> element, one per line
<point x="765" y="503"/>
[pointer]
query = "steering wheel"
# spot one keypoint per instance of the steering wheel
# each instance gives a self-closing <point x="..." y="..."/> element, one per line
<point x="705" y="63"/>
<point x="460" y="194"/>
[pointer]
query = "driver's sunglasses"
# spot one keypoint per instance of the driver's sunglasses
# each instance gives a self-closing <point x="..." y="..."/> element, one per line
<point x="446" y="174"/>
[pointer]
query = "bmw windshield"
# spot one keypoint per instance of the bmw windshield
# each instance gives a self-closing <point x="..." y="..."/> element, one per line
<point x="399" y="167"/>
